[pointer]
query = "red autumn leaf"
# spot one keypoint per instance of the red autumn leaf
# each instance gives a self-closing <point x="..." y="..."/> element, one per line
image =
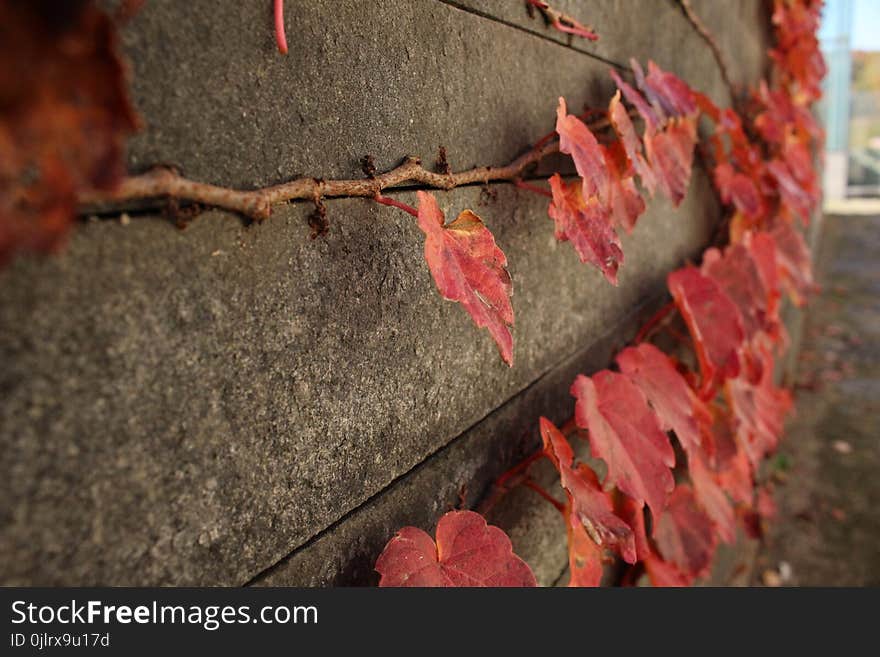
<point x="632" y="145"/>
<point x="606" y="172"/>
<point x="661" y="573"/>
<point x="625" y="433"/>
<point x="758" y="411"/>
<point x="713" y="321"/>
<point x="793" y="261"/>
<point x="586" y="225"/>
<point x="737" y="273"/>
<point x="667" y="90"/>
<point x="669" y="139"/>
<point x="651" y="117"/>
<point x="64" y="117"/>
<point x="669" y="394"/>
<point x="575" y="139"/>
<point x="711" y="497"/>
<point x="781" y="118"/>
<point x="626" y="204"/>
<point x="590" y="506"/>
<point x="584" y="556"/>
<point x="671" y="153"/>
<point x="731" y="465"/>
<point x="739" y="189"/>
<point x="468" y="553"/>
<point x="468" y="267"/>
<point x="684" y="535"/>
<point x="795" y="197"/>
<point x="762" y="250"/>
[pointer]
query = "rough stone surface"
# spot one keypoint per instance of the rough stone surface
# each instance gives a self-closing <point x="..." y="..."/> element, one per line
<point x="193" y="405"/>
<point x="658" y="31"/>
<point x="462" y="472"/>
<point x="190" y="407"/>
<point x="389" y="79"/>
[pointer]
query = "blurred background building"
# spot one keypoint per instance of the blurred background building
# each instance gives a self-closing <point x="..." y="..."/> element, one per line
<point x="850" y="38"/>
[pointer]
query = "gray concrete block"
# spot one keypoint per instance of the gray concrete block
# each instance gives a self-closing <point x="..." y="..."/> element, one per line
<point x="655" y="30"/>
<point x="462" y="473"/>
<point x="186" y="407"/>
<point x="389" y="79"/>
<point x="190" y="407"/>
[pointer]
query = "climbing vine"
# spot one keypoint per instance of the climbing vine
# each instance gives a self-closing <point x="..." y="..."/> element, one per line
<point x="61" y="133"/>
<point x="660" y="517"/>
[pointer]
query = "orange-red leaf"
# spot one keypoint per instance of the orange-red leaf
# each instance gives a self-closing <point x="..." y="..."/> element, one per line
<point x="625" y="433"/>
<point x="584" y="556"/>
<point x="589" y="504"/>
<point x="712" y="498"/>
<point x="606" y="172"/>
<point x="684" y="533"/>
<point x="758" y="411"/>
<point x="793" y="261"/>
<point x="731" y="464"/>
<point x="739" y="189"/>
<point x="661" y="573"/>
<point x="738" y="274"/>
<point x="586" y="225"/>
<point x="575" y="139"/>
<point x="713" y="321"/>
<point x="669" y="394"/>
<point x="468" y="267"/>
<point x="64" y="117"/>
<point x="671" y="153"/>
<point x="632" y="145"/>
<point x="468" y="553"/>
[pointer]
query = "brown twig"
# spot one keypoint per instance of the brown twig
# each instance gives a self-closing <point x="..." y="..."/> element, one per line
<point x="710" y="40"/>
<point x="257" y="204"/>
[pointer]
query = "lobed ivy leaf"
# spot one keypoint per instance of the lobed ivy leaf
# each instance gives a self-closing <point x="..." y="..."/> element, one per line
<point x="677" y="406"/>
<point x="758" y="411"/>
<point x="590" y="506"/>
<point x="684" y="534"/>
<point x="468" y="267"/>
<point x="468" y="552"/>
<point x="793" y="260"/>
<point x="713" y="321"/>
<point x="625" y="433"/>
<point x="586" y="226"/>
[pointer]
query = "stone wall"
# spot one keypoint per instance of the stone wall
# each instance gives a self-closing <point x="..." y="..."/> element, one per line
<point x="232" y="403"/>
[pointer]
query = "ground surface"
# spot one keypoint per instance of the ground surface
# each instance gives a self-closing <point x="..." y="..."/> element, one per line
<point x="827" y="531"/>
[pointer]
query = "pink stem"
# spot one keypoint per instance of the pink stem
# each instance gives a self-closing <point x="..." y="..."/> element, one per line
<point x="529" y="483"/>
<point x="532" y="188"/>
<point x="280" y="37"/>
<point x="384" y="200"/>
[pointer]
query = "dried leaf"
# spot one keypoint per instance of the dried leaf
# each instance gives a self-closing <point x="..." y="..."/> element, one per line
<point x="64" y="116"/>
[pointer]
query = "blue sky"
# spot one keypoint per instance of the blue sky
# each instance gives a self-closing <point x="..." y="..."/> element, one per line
<point x="866" y="25"/>
<point x="865" y="22"/>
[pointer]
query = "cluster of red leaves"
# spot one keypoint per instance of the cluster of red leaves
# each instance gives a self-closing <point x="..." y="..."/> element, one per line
<point x="64" y="115"/>
<point x="728" y="416"/>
